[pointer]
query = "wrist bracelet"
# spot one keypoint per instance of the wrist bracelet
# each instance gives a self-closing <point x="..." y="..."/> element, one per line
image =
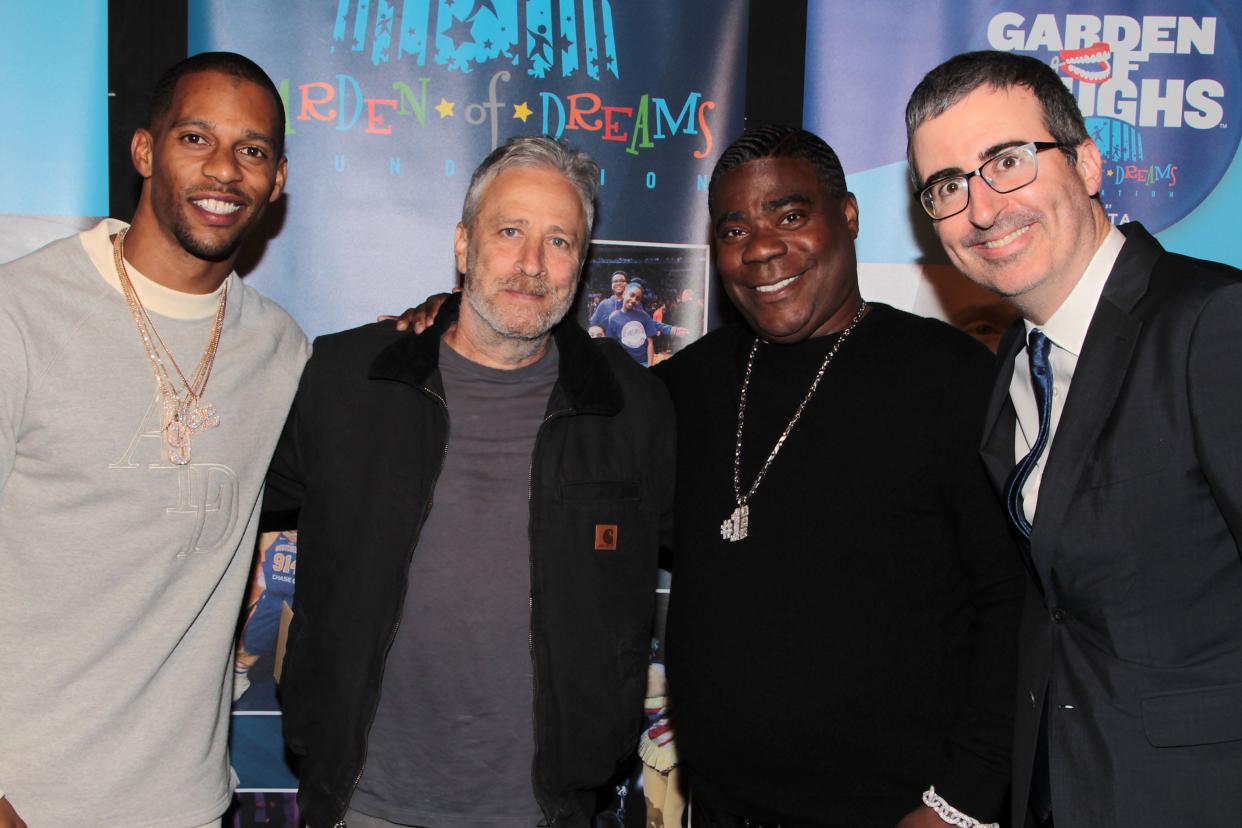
<point x="950" y="814"/>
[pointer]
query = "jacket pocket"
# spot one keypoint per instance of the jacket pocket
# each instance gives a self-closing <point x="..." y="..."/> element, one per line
<point x="1127" y="465"/>
<point x="1195" y="717"/>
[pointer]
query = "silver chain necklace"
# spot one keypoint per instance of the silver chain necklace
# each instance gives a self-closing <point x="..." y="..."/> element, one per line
<point x="737" y="525"/>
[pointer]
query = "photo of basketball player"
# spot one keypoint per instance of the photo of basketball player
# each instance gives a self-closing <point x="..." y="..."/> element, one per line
<point x="673" y="280"/>
<point x="269" y="605"/>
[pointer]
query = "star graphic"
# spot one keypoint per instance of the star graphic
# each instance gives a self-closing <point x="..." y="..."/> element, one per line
<point x="459" y="32"/>
<point x="522" y="111"/>
<point x="445" y="108"/>
<point x="564" y="43"/>
<point x="487" y="45"/>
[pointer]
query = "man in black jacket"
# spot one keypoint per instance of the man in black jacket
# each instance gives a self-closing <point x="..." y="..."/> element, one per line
<point x="476" y="657"/>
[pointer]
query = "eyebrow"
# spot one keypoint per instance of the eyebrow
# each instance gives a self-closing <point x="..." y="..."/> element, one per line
<point x="984" y="155"/>
<point x="768" y="207"/>
<point x="248" y="134"/>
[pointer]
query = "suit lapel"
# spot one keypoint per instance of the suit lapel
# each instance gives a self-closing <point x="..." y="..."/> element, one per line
<point x="998" y="423"/>
<point x="1100" y="373"/>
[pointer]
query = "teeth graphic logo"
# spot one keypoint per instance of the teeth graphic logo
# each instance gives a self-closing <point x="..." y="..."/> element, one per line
<point x="1089" y="65"/>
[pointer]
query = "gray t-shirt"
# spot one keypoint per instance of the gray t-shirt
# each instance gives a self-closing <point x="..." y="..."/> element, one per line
<point x="453" y="738"/>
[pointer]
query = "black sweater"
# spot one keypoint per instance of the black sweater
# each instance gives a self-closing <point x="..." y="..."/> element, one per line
<point x="858" y="646"/>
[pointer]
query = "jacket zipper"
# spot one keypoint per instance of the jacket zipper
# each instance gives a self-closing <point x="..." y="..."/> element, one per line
<point x="392" y="635"/>
<point x="530" y="627"/>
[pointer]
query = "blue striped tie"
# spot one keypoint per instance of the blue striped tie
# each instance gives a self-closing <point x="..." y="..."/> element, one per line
<point x="1037" y="349"/>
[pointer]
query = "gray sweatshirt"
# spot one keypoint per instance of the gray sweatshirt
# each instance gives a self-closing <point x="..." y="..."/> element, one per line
<point x="121" y="574"/>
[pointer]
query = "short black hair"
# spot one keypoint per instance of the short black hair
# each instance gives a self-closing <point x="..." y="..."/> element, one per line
<point x="962" y="74"/>
<point x="781" y="141"/>
<point x="226" y="63"/>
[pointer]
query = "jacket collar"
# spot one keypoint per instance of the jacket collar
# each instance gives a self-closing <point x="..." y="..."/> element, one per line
<point x="585" y="381"/>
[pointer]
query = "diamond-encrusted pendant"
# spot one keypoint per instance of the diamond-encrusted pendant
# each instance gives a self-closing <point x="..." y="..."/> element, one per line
<point x="209" y="416"/>
<point x="184" y="423"/>
<point x="735" y="528"/>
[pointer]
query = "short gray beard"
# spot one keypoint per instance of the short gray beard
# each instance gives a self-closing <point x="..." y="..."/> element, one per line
<point x="516" y="344"/>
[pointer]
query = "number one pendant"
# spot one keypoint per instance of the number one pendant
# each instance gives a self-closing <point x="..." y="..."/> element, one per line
<point x="734" y="529"/>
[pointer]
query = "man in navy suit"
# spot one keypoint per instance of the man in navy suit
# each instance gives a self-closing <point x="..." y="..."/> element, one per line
<point x="1114" y="436"/>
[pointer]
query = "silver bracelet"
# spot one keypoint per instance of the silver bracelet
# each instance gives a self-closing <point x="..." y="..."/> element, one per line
<point x="950" y="814"/>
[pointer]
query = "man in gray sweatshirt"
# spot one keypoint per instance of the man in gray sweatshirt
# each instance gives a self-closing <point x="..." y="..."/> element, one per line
<point x="142" y="390"/>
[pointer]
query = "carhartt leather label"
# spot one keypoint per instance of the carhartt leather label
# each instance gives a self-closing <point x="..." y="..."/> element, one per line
<point x="605" y="537"/>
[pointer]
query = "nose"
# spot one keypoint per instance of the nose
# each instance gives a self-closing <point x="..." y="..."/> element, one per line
<point x="763" y="245"/>
<point x="985" y="203"/>
<point x="222" y="166"/>
<point x="531" y="257"/>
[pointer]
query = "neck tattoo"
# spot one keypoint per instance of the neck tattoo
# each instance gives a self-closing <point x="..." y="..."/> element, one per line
<point x="737" y="525"/>
<point x="182" y="415"/>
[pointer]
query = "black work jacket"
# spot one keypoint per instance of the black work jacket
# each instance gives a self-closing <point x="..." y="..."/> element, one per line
<point x="358" y="462"/>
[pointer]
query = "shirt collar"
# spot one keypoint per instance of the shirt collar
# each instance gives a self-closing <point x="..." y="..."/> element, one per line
<point x="156" y="298"/>
<point x="1067" y="327"/>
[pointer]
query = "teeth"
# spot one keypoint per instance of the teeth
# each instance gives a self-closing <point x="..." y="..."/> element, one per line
<point x="215" y="205"/>
<point x="777" y="286"/>
<point x="1004" y="240"/>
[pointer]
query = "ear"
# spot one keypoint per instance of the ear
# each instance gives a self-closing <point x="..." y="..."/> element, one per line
<point x="141" y="150"/>
<point x="849" y="208"/>
<point x="461" y="246"/>
<point x="1090" y="166"/>
<point x="282" y="170"/>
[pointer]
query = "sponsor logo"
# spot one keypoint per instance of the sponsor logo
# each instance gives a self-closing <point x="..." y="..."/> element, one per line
<point x="501" y="66"/>
<point x="1158" y="93"/>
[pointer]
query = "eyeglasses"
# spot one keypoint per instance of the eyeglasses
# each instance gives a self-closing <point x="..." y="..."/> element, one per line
<point x="1004" y="172"/>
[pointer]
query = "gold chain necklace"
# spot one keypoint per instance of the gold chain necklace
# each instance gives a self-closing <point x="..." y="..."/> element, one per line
<point x="182" y="416"/>
<point x="737" y="525"/>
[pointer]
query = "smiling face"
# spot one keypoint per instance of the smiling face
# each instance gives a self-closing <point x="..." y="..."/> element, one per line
<point x="619" y="282"/>
<point x="210" y="164"/>
<point x="784" y="247"/>
<point x="633" y="298"/>
<point x="523" y="256"/>
<point x="1030" y="245"/>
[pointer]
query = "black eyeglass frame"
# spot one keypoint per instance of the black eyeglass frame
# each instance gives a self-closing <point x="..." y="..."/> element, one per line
<point x="1038" y="146"/>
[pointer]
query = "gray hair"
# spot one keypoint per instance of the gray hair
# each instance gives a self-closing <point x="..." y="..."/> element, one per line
<point x="958" y="76"/>
<point x="535" y="151"/>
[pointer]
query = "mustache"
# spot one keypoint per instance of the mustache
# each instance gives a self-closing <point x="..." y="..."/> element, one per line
<point x="534" y="285"/>
<point x="1002" y="227"/>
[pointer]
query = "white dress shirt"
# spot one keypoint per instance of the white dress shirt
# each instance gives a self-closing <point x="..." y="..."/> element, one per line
<point x="1066" y="328"/>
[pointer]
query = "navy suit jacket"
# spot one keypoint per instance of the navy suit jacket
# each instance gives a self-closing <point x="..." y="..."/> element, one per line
<point x="1133" y="621"/>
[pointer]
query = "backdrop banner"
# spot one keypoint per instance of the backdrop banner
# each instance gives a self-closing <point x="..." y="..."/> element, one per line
<point x="1157" y="80"/>
<point x="391" y="105"/>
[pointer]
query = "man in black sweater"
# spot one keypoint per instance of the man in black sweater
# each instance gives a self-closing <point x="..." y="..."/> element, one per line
<point x="846" y="595"/>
